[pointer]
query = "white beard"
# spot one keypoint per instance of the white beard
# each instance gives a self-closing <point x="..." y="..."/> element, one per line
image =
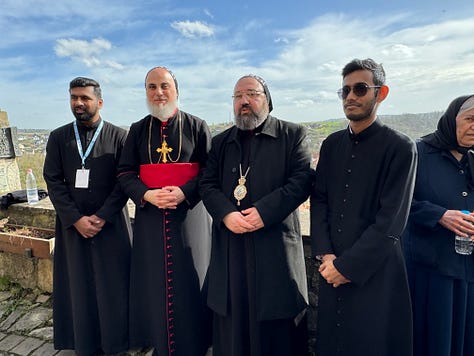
<point x="162" y="112"/>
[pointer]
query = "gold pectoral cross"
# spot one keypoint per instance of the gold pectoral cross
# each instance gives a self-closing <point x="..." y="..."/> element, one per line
<point x="164" y="150"/>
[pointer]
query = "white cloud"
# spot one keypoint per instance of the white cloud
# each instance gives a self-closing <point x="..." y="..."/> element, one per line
<point x="399" y="50"/>
<point x="193" y="29"/>
<point x="282" y="40"/>
<point x="80" y="48"/>
<point x="91" y="61"/>
<point x="427" y="66"/>
<point x="428" y="61"/>
<point x="304" y="103"/>
<point x="208" y="13"/>
<point x="86" y="52"/>
<point x="115" y="65"/>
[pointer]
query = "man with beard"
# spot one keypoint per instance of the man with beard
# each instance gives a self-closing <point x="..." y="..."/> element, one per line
<point x="92" y="245"/>
<point x="160" y="169"/>
<point x="257" y="175"/>
<point x="359" y="208"/>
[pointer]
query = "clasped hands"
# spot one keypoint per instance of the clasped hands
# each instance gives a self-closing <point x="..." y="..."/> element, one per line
<point x="165" y="198"/>
<point x="89" y="226"/>
<point x="329" y="272"/>
<point x="241" y="222"/>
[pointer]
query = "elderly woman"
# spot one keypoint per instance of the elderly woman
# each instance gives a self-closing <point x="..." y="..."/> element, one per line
<point x="441" y="280"/>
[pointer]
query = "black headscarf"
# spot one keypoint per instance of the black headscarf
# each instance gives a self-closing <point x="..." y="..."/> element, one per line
<point x="265" y="89"/>
<point x="445" y="135"/>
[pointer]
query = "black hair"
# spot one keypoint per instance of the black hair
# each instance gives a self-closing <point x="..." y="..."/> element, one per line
<point x="83" y="82"/>
<point x="369" y="64"/>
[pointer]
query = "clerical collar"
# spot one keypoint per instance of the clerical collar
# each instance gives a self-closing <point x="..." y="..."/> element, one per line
<point x="168" y="120"/>
<point x="367" y="132"/>
<point x="83" y="124"/>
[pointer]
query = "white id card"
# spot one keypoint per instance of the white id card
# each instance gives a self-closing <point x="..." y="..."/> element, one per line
<point x="82" y="178"/>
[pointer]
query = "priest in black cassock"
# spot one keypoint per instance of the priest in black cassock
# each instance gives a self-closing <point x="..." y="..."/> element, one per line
<point x="159" y="169"/>
<point x="92" y="245"/>
<point x="257" y="175"/>
<point x="359" y="208"/>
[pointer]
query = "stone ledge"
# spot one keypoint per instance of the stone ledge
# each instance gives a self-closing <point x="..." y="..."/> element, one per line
<point x="41" y="215"/>
<point x="31" y="267"/>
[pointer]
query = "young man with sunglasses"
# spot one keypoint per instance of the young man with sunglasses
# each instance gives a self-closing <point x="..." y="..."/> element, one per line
<point x="359" y="207"/>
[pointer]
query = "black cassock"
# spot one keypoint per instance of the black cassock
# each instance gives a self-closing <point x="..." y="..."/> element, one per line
<point x="359" y="208"/>
<point x="257" y="280"/>
<point x="91" y="276"/>
<point x="171" y="248"/>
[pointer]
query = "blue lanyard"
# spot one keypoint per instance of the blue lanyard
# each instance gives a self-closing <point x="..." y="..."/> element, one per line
<point x="91" y="145"/>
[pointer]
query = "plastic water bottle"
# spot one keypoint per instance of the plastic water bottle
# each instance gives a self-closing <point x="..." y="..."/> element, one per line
<point x="463" y="245"/>
<point x="31" y="188"/>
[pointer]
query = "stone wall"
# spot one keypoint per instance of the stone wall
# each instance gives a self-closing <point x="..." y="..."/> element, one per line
<point x="36" y="273"/>
<point x="29" y="272"/>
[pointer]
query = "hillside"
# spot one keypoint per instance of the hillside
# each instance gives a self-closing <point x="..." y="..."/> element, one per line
<point x="32" y="142"/>
<point x="413" y="125"/>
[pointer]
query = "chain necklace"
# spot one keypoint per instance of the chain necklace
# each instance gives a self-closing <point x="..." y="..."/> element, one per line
<point x="240" y="190"/>
<point x="164" y="150"/>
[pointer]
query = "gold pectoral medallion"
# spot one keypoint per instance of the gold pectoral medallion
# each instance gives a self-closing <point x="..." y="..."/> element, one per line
<point x="240" y="191"/>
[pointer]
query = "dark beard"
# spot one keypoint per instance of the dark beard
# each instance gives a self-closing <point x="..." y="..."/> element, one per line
<point x="356" y="118"/>
<point x="365" y="114"/>
<point x="84" y="117"/>
<point x="249" y="121"/>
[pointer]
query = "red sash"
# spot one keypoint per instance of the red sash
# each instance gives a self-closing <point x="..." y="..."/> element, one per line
<point x="158" y="175"/>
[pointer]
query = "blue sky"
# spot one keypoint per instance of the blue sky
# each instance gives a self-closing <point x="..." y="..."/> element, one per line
<point x="298" y="47"/>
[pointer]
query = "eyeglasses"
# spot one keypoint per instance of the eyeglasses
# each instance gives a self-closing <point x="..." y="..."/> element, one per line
<point x="359" y="89"/>
<point x="251" y="94"/>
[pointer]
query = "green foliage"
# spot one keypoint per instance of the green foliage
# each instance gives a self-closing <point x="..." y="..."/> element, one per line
<point x="5" y="283"/>
<point x="18" y="294"/>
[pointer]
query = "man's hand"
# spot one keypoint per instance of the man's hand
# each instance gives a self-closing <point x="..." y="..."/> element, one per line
<point x="165" y="198"/>
<point x="330" y="273"/>
<point x="99" y="222"/>
<point x="237" y="223"/>
<point x="253" y="218"/>
<point x="87" y="226"/>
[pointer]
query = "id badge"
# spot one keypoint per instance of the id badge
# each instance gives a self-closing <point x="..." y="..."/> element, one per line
<point x="82" y="178"/>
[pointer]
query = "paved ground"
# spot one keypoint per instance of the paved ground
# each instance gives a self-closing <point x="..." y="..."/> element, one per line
<point x="26" y="321"/>
<point x="26" y="326"/>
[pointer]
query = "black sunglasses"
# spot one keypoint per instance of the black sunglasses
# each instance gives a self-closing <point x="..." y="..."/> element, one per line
<point x="359" y="89"/>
